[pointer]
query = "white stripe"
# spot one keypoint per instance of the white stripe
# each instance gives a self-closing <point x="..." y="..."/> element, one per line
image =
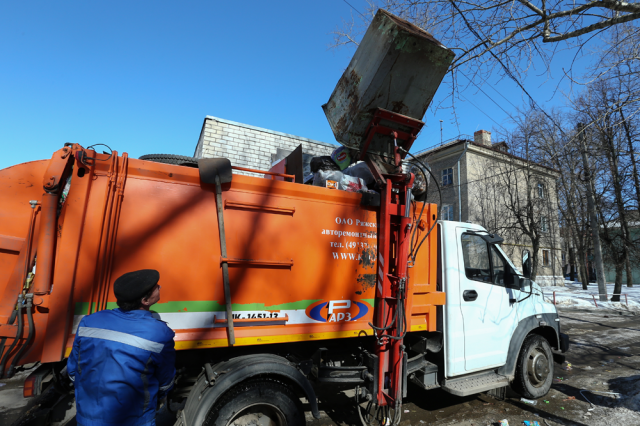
<point x="164" y="388"/>
<point x="381" y="259"/>
<point x="380" y="287"/>
<point x="73" y="379"/>
<point x="381" y="274"/>
<point x="117" y="336"/>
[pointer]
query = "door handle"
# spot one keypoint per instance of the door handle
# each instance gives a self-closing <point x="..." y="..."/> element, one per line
<point x="469" y="295"/>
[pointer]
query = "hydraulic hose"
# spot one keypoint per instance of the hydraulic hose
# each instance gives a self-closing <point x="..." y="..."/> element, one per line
<point x="439" y="193"/>
<point x="28" y="264"/>
<point x="415" y="228"/>
<point x="5" y="357"/>
<point x="26" y="344"/>
<point x="12" y="319"/>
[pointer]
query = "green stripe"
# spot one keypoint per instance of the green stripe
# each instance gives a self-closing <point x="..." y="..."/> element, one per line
<point x="213" y="306"/>
<point x="82" y="308"/>
<point x="371" y="302"/>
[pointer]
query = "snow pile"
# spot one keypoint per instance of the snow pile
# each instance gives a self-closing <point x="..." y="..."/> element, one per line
<point x="572" y="295"/>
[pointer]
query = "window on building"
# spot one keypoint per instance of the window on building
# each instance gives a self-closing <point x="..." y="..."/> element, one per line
<point x="447" y="212"/>
<point x="546" y="257"/>
<point x="447" y="176"/>
<point x="544" y="224"/>
<point x="541" y="192"/>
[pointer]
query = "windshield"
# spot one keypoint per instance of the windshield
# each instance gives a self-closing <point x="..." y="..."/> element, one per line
<point x="518" y="271"/>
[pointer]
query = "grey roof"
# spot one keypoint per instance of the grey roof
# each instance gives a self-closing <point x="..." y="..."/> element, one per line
<point x="435" y="149"/>
<point x="273" y="132"/>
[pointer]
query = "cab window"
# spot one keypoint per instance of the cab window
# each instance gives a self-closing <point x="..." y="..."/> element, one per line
<point x="483" y="262"/>
<point x="476" y="258"/>
<point x="498" y="267"/>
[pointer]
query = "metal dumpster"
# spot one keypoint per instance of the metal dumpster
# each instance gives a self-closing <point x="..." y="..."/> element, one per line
<point x="397" y="67"/>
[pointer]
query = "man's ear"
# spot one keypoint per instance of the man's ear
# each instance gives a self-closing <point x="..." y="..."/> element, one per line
<point x="145" y="301"/>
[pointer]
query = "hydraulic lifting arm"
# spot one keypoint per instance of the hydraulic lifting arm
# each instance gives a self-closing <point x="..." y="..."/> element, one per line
<point x="15" y="339"/>
<point x="388" y="135"/>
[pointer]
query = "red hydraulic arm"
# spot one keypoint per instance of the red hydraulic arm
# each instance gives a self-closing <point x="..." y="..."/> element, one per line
<point x="390" y="319"/>
<point x="395" y="222"/>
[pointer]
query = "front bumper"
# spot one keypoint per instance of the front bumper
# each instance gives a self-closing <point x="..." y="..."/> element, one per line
<point x="564" y="342"/>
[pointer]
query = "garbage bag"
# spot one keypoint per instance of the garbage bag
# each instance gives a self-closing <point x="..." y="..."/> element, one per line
<point x="338" y="180"/>
<point x="360" y="170"/>
<point x="323" y="163"/>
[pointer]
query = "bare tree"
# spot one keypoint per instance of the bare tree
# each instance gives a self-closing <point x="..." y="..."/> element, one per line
<point x="555" y="146"/>
<point x="619" y="61"/>
<point x="603" y="107"/>
<point x="516" y="200"/>
<point x="510" y="37"/>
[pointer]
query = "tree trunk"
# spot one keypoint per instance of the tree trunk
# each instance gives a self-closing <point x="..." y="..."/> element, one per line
<point x="584" y="277"/>
<point x="534" y="258"/>
<point x="572" y="264"/>
<point x="584" y="273"/>
<point x="617" y="288"/>
<point x="597" y="248"/>
<point x="614" y="167"/>
<point x="629" y="274"/>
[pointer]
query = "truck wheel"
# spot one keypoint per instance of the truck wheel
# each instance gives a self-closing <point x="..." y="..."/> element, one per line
<point x="534" y="371"/>
<point x="261" y="401"/>
<point x="179" y="160"/>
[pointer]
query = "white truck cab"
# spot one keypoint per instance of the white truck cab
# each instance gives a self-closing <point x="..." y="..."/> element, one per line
<point x="497" y="328"/>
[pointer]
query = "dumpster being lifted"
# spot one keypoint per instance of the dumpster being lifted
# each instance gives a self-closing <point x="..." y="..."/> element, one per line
<point x="390" y="82"/>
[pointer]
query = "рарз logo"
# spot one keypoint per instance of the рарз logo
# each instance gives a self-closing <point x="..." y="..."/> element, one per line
<point x="337" y="310"/>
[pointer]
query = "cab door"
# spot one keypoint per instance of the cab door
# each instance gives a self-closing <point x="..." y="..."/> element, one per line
<point x="488" y="305"/>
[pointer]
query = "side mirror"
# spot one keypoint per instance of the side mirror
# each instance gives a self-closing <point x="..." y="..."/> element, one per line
<point x="526" y="263"/>
<point x="524" y="283"/>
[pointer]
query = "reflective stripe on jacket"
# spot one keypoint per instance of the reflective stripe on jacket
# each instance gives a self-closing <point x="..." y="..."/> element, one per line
<point x="121" y="364"/>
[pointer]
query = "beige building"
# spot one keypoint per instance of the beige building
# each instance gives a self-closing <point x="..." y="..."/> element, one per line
<point x="483" y="183"/>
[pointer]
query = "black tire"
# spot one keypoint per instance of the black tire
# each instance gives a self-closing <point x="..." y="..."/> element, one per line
<point x="179" y="160"/>
<point x="534" y="371"/>
<point x="254" y="399"/>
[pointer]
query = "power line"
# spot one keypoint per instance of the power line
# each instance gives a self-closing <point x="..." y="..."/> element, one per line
<point x="480" y="109"/>
<point x="472" y="82"/>
<point x="354" y="9"/>
<point x="504" y="67"/>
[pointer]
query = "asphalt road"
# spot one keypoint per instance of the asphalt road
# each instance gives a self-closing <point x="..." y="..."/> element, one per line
<point x="604" y="357"/>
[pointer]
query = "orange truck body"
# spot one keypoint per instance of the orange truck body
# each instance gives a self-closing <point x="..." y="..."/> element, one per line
<point x="302" y="259"/>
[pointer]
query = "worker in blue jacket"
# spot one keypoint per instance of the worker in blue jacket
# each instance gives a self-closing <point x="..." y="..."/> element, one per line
<point x="123" y="360"/>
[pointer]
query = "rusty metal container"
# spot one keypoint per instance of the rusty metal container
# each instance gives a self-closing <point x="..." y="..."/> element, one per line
<point x="397" y="67"/>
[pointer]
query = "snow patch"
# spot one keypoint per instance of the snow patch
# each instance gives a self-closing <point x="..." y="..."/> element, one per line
<point x="571" y="295"/>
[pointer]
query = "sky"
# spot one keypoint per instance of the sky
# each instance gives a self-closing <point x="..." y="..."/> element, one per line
<point x="141" y="76"/>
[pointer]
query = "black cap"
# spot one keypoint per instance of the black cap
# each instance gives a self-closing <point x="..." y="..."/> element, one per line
<point x="133" y="286"/>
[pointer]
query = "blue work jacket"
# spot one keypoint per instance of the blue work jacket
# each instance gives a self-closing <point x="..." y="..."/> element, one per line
<point x="121" y="364"/>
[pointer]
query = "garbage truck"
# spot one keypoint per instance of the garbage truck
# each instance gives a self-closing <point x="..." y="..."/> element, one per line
<point x="271" y="286"/>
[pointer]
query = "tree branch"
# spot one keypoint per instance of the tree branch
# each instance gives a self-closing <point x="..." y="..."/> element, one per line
<point x="590" y="28"/>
